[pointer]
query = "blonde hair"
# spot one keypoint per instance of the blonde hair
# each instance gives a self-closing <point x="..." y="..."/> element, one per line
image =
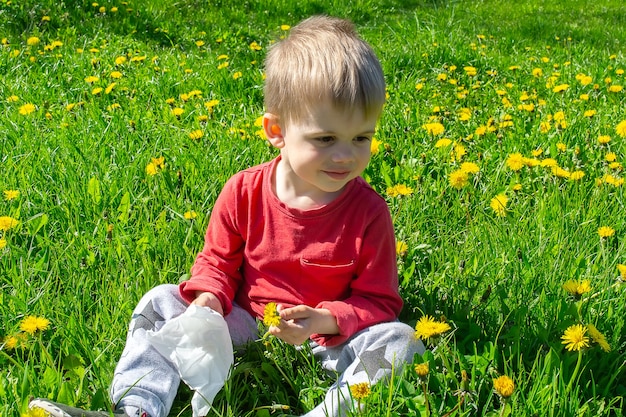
<point x="322" y="58"/>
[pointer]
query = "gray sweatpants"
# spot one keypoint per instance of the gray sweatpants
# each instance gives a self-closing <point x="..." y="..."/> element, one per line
<point x="145" y="379"/>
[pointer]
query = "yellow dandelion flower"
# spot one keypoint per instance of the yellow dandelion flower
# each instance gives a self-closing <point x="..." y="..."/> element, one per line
<point x="434" y="129"/>
<point x="458" y="151"/>
<point x="91" y="79"/>
<point x="196" y="134"/>
<point x="159" y="162"/>
<point x="151" y="169"/>
<point x="11" y="194"/>
<point x="427" y="327"/>
<point x="470" y="167"/>
<point x="116" y="75"/>
<point x="32" y="41"/>
<point x="9" y="343"/>
<point x="622" y="271"/>
<point x="590" y="113"/>
<point x="549" y="163"/>
<point x="604" y="139"/>
<point x="544" y="127"/>
<point x="615" y="88"/>
<point x="96" y="91"/>
<point x="560" y="172"/>
<point x="577" y="175"/>
<point x="401" y="248"/>
<point x="7" y="223"/>
<point x="560" y="88"/>
<point x="177" y="111"/>
<point x="360" y="391"/>
<point x="33" y="324"/>
<point x="442" y="143"/>
<point x="605" y="231"/>
<point x="621" y="129"/>
<point x="27" y="109"/>
<point x="584" y="79"/>
<point x="481" y="130"/>
<point x="270" y="315"/>
<point x="237" y="75"/>
<point x="498" y="204"/>
<point x="470" y="71"/>
<point x="12" y="99"/>
<point x="574" y="338"/>
<point x="375" y="146"/>
<point x="422" y="369"/>
<point x="576" y="288"/>
<point x="190" y="215"/>
<point x="399" y="190"/>
<point x="515" y="161"/>
<point x="504" y="386"/>
<point x="3" y="243"/>
<point x="458" y="179"/>
<point x="598" y="338"/>
<point x="561" y="147"/>
<point x="199" y="43"/>
<point x="120" y="60"/>
<point x="285" y="27"/>
<point x="210" y="104"/>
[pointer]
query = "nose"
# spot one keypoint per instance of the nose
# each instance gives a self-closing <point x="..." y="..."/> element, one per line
<point x="343" y="153"/>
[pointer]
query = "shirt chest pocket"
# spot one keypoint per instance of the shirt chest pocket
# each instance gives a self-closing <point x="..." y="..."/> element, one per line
<point x="329" y="277"/>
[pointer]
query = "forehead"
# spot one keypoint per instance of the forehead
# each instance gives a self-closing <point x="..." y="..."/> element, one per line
<point x="325" y="117"/>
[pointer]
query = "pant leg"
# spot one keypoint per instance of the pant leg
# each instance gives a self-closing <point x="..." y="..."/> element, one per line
<point x="368" y="356"/>
<point x="144" y="378"/>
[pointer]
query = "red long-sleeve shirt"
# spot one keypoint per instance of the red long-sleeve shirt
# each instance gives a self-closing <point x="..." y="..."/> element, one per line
<point x="340" y="257"/>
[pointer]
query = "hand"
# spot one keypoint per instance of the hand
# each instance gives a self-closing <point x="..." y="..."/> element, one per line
<point x="300" y="322"/>
<point x="207" y="299"/>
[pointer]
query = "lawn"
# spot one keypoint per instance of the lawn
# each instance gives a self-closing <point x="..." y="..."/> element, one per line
<point x="500" y="152"/>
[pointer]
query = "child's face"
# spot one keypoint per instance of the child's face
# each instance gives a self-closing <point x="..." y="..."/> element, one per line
<point x="324" y="150"/>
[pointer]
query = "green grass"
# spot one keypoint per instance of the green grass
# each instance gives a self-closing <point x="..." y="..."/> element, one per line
<point x="96" y="231"/>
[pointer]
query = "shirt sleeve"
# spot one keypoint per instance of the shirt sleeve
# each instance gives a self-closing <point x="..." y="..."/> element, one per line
<point x="217" y="268"/>
<point x="374" y="297"/>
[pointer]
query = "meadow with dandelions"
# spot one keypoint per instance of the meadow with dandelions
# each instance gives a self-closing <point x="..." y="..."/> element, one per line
<point x="501" y="153"/>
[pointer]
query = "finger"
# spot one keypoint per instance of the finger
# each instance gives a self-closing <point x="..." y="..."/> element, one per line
<point x="294" y="313"/>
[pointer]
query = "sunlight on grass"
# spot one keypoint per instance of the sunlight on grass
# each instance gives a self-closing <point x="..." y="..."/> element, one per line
<point x="500" y="152"/>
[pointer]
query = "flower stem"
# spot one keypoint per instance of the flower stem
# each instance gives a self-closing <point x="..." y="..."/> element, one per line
<point x="426" y="399"/>
<point x="575" y="374"/>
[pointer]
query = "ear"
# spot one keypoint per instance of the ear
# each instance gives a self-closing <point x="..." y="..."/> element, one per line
<point x="273" y="131"/>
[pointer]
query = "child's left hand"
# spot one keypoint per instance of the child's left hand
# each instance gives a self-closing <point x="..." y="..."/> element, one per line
<point x="300" y="322"/>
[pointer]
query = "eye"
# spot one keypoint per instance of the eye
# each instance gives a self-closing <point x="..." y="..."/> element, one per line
<point x="325" y="140"/>
<point x="361" y="139"/>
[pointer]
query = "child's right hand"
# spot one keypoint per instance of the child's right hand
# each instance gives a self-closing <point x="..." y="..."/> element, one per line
<point x="207" y="299"/>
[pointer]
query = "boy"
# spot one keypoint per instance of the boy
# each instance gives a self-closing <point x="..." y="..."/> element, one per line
<point x="304" y="231"/>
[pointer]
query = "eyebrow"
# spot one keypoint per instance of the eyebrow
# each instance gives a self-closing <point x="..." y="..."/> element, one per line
<point x="332" y="133"/>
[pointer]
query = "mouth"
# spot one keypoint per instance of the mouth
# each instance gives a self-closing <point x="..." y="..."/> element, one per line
<point x="338" y="175"/>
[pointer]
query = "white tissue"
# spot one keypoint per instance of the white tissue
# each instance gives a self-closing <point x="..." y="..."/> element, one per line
<point x="199" y="344"/>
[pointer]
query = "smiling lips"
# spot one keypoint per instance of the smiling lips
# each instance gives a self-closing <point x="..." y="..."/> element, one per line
<point x="338" y="175"/>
